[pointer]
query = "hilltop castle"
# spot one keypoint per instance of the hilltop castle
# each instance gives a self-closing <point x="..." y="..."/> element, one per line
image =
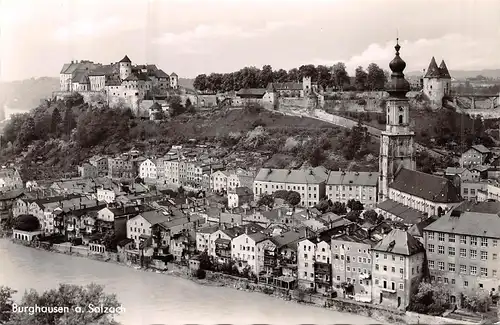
<point x="437" y="82"/>
<point x="116" y="83"/>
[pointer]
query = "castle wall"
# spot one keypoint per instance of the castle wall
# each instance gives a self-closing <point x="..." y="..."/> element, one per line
<point x="88" y="96"/>
<point x="434" y="89"/>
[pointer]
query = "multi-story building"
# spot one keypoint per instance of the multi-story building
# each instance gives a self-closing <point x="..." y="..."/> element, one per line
<point x="309" y="183"/>
<point x="148" y="170"/>
<point x="250" y="249"/>
<point x="397" y="269"/>
<point x="10" y="179"/>
<point x="462" y="248"/>
<point x="172" y="171"/>
<point x="120" y="167"/>
<point x="220" y="243"/>
<point x="314" y="264"/>
<point x="203" y="238"/>
<point x="115" y="83"/>
<point x="476" y="155"/>
<point x="101" y="163"/>
<point x="343" y="186"/>
<point x="352" y="261"/>
<point x="139" y="227"/>
<point x="239" y="196"/>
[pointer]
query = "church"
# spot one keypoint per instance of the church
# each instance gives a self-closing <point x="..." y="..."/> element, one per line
<point x="399" y="180"/>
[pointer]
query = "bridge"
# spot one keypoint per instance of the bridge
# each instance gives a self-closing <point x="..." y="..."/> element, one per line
<point x="469" y="101"/>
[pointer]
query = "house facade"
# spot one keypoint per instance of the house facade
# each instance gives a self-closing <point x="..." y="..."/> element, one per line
<point x="343" y="186"/>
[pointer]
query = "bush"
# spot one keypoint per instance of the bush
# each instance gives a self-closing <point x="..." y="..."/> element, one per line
<point x="201" y="274"/>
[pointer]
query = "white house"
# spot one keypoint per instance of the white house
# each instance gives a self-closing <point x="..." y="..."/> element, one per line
<point x="147" y="170"/>
<point x="106" y="195"/>
<point x="139" y="227"/>
<point x="245" y="250"/>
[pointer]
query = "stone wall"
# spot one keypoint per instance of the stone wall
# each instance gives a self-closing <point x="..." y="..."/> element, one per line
<point x="88" y="96"/>
<point x="415" y="318"/>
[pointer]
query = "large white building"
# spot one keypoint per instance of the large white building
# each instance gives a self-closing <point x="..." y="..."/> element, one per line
<point x="116" y="83"/>
<point x="309" y="183"/>
<point x="343" y="186"/>
<point x="148" y="170"/>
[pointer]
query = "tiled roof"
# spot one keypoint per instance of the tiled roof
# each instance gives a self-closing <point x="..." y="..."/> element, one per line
<point x="132" y="77"/>
<point x="418" y="229"/>
<point x="155" y="217"/>
<point x="161" y="74"/>
<point x="409" y="215"/>
<point x="455" y="170"/>
<point x="258" y="237"/>
<point x="481" y="148"/>
<point x="125" y="59"/>
<point x="357" y="235"/>
<point x="173" y="74"/>
<point x="10" y="195"/>
<point x="251" y="92"/>
<point x="352" y="178"/>
<point x="400" y="242"/>
<point x="287" y="86"/>
<point x="468" y="223"/>
<point x="480" y="207"/>
<point x="81" y="77"/>
<point x="443" y="69"/>
<point x="65" y="67"/>
<point x="289" y="237"/>
<point x="127" y="210"/>
<point x="427" y="186"/>
<point x="315" y="175"/>
<point x="433" y="70"/>
<point x="243" y="191"/>
<point x="208" y="230"/>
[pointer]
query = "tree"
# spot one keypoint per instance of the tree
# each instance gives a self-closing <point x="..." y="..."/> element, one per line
<point x="338" y="208"/>
<point x="317" y="157"/>
<point x="340" y="76"/>
<point x="323" y="205"/>
<point x="265" y="76"/>
<point x="78" y="299"/>
<point x="280" y="76"/>
<point x="55" y="121"/>
<point x="308" y="70"/>
<point x="189" y="106"/>
<point x="361" y="78"/>
<point x="6" y="303"/>
<point x="324" y="76"/>
<point x="293" y="198"/>
<point x="355" y="205"/>
<point x="68" y="122"/>
<point x="371" y="216"/>
<point x="14" y="126"/>
<point x="281" y="194"/>
<point x="376" y="78"/>
<point x="353" y="215"/>
<point x="180" y="190"/>
<point x="175" y="104"/>
<point x="293" y="75"/>
<point x="200" y="82"/>
<point x="205" y="261"/>
<point x="27" y="132"/>
<point x="266" y="200"/>
<point x="479" y="301"/>
<point x="431" y="298"/>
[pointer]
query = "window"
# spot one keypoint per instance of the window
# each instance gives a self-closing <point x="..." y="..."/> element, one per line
<point x="473" y="270"/>
<point x="495" y="243"/>
<point x="440" y="249"/>
<point x="484" y="271"/>
<point x="376" y="267"/>
<point x="473" y="241"/>
<point x="451" y="238"/>
<point x="401" y="286"/>
<point x="431" y="264"/>
<point x="484" y="242"/>
<point x="385" y="268"/>
<point x="441" y="266"/>
<point x="430" y="236"/>
<point x="473" y="254"/>
<point x="463" y="268"/>
<point x="495" y="256"/>
<point x="451" y="267"/>
<point x="393" y="269"/>
<point x="463" y="239"/>
<point x="463" y="253"/>
<point x="441" y="236"/>
<point x="430" y="248"/>
<point x="401" y="270"/>
<point x="451" y="251"/>
<point x="484" y="256"/>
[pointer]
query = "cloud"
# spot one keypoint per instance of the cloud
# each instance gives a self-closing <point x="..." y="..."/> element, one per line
<point x="195" y="40"/>
<point x="86" y="28"/>
<point x="460" y="53"/>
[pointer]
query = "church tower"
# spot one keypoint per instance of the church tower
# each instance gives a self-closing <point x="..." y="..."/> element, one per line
<point x="397" y="141"/>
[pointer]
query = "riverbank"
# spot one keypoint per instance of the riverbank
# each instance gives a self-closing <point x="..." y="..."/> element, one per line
<point x="214" y="279"/>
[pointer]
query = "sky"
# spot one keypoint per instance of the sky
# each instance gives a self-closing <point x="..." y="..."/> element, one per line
<point x="191" y="37"/>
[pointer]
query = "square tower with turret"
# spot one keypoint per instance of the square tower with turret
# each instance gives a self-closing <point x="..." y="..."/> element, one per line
<point x="397" y="141"/>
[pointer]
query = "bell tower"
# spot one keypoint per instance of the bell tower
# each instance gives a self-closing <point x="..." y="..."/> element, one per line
<point x="397" y="141"/>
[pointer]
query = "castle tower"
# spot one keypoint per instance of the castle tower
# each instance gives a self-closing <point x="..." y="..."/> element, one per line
<point x="397" y="141"/>
<point x="437" y="83"/>
<point x="306" y="84"/>
<point x="125" y="68"/>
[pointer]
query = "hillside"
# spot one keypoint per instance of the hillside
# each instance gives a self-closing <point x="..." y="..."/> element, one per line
<point x="237" y="135"/>
<point x="26" y="94"/>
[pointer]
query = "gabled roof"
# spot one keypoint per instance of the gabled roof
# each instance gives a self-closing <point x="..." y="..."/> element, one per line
<point x="81" y="77"/>
<point x="287" y="86"/>
<point x="258" y="237"/>
<point x="443" y="69"/>
<point x="481" y="149"/>
<point x="315" y="175"/>
<point x="418" y="229"/>
<point x="155" y="217"/>
<point x="125" y="59"/>
<point x="407" y="214"/>
<point x="243" y="191"/>
<point x="128" y="210"/>
<point x="426" y="186"/>
<point x="455" y="170"/>
<point x="352" y="178"/>
<point x="399" y="242"/>
<point x="251" y="92"/>
<point x="173" y="74"/>
<point x="289" y="237"/>
<point x="433" y="70"/>
<point x="161" y="74"/>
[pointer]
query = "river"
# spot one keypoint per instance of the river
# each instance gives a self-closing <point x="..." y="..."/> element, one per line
<point x="150" y="298"/>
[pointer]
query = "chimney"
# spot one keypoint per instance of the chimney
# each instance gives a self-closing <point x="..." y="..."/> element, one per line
<point x="246" y="230"/>
<point x="279" y="213"/>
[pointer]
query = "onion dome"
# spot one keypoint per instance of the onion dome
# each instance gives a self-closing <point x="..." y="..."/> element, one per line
<point x="398" y="85"/>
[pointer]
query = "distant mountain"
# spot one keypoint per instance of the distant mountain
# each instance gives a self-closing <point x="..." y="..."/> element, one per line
<point x="26" y="94"/>
<point x="186" y="83"/>
<point x="463" y="74"/>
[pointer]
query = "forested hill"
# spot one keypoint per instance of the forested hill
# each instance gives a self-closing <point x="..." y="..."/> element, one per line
<point x="26" y="94"/>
